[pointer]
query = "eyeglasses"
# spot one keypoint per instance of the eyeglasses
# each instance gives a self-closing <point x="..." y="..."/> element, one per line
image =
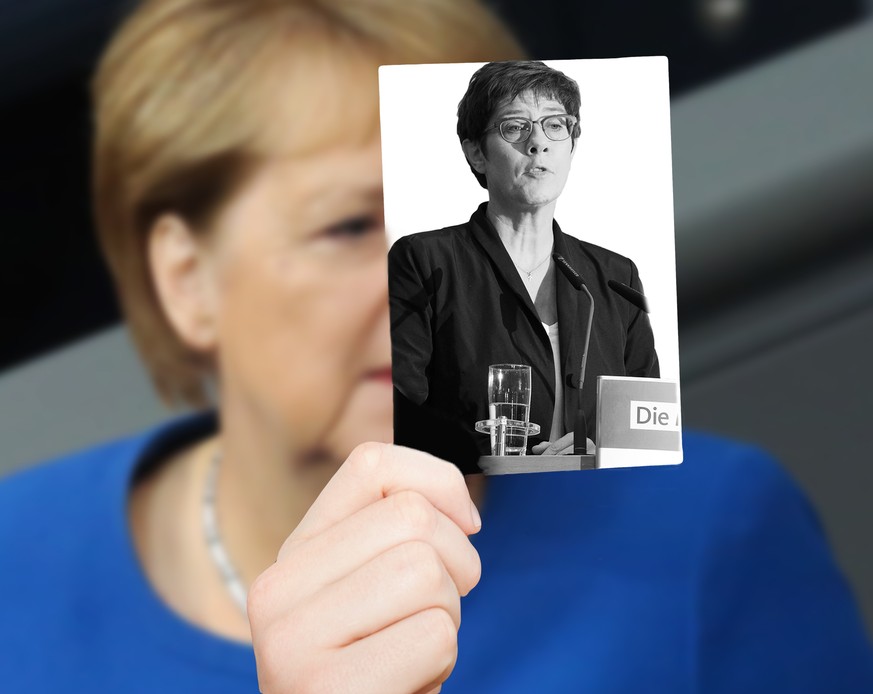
<point x="515" y="130"/>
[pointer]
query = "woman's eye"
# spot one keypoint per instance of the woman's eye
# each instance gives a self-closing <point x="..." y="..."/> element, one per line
<point x="355" y="226"/>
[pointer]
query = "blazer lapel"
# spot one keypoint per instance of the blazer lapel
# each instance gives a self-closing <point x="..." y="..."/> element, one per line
<point x="486" y="235"/>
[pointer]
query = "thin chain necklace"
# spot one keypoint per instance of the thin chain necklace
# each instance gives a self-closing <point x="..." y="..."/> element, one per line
<point x="529" y="273"/>
<point x="220" y="558"/>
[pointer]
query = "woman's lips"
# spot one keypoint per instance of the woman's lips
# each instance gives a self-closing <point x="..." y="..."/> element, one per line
<point x="381" y="375"/>
<point x="537" y="171"/>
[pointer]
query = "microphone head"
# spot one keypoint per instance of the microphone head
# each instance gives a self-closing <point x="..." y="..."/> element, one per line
<point x="574" y="277"/>
<point x="638" y="299"/>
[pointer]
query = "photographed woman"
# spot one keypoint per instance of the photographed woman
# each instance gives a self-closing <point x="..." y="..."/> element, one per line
<point x="238" y="198"/>
<point x="490" y="291"/>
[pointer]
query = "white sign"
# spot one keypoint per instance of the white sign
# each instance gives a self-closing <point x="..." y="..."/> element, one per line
<point x="654" y="416"/>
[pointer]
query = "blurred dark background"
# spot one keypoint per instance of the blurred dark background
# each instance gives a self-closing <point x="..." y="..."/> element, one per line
<point x="773" y="192"/>
<point x="54" y="286"/>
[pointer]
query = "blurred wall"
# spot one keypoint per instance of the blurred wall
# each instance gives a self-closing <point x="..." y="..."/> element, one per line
<point x="773" y="184"/>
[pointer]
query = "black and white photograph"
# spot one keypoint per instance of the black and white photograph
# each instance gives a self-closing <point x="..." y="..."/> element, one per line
<point x="532" y="268"/>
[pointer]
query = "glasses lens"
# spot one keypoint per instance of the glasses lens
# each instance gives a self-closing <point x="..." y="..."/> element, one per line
<point x="514" y="130"/>
<point x="557" y="127"/>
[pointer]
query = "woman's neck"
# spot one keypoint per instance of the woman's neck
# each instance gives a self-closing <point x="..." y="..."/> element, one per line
<point x="526" y="234"/>
<point x="261" y="495"/>
<point x="264" y="489"/>
<point x="166" y="520"/>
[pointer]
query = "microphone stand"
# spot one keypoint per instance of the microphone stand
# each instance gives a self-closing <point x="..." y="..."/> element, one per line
<point x="580" y="426"/>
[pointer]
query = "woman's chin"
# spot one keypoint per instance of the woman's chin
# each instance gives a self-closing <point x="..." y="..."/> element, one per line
<point x="370" y="415"/>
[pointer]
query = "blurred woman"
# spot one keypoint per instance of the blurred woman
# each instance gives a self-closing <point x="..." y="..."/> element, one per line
<point x="239" y="203"/>
<point x="238" y="200"/>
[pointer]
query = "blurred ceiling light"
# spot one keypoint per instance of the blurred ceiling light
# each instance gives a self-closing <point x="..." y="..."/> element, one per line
<point x="722" y="19"/>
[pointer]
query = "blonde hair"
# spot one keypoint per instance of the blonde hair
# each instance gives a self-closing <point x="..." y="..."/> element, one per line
<point x="183" y="96"/>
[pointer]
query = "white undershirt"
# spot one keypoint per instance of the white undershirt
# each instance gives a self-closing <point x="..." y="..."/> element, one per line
<point x="557" y="430"/>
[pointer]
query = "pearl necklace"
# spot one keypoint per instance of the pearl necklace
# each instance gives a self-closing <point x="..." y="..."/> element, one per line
<point x="217" y="551"/>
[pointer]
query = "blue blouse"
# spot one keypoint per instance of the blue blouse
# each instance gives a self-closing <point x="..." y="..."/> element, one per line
<point x="712" y="576"/>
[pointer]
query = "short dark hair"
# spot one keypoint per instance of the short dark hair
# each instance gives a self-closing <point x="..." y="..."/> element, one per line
<point x="494" y="84"/>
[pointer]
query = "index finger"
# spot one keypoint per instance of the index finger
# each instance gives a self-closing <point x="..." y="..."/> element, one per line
<point x="376" y="470"/>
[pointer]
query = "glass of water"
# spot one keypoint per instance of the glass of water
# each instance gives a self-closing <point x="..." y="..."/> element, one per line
<point x="509" y="407"/>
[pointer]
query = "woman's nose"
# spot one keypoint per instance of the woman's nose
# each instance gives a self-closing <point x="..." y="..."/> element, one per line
<point x="538" y="142"/>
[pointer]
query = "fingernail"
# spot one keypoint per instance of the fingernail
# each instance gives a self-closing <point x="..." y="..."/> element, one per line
<point x="477" y="520"/>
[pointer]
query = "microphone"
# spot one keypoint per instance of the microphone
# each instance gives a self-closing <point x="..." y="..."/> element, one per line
<point x="638" y="299"/>
<point x="580" y="428"/>
<point x="568" y="272"/>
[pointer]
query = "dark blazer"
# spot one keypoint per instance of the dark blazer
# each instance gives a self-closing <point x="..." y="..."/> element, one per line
<point x="459" y="305"/>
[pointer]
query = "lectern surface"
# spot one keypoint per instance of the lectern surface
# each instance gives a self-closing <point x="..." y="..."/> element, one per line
<point x="516" y="464"/>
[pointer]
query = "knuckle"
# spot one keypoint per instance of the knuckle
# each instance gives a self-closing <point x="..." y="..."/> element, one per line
<point x="366" y="458"/>
<point x="415" y="512"/>
<point x="475" y="574"/>
<point x="285" y="656"/>
<point x="452" y="605"/>
<point x="260" y="595"/>
<point x="420" y="565"/>
<point x="315" y="678"/>
<point x="440" y="630"/>
<point x="457" y="479"/>
<point x="272" y="663"/>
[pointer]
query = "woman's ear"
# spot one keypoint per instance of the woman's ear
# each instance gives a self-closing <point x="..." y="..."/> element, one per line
<point x="184" y="280"/>
<point x="475" y="155"/>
